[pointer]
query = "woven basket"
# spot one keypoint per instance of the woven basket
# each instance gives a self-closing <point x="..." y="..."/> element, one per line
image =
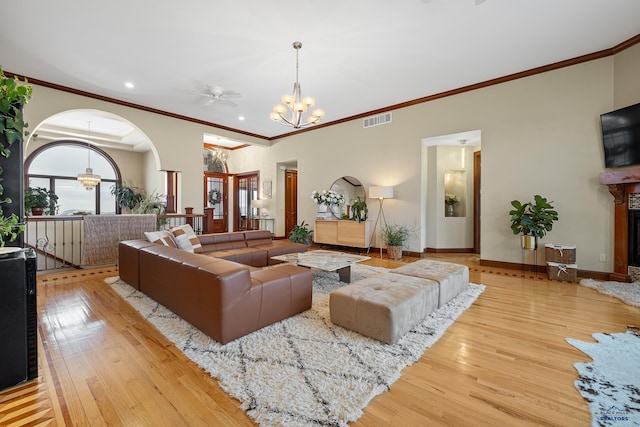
<point x="562" y="272"/>
<point x="395" y="252"/>
<point x="563" y="254"/>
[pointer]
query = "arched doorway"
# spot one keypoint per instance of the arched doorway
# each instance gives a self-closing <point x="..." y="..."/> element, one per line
<point x="120" y="152"/>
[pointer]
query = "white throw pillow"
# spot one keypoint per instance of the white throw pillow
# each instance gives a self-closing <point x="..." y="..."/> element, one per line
<point x="186" y="238"/>
<point x="161" y="238"/>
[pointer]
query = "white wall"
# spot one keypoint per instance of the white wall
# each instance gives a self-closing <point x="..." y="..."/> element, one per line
<point x="155" y="181"/>
<point x="626" y="89"/>
<point x="178" y="144"/>
<point x="540" y="135"/>
<point x="450" y="232"/>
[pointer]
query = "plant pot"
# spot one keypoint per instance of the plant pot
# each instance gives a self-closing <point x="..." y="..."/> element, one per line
<point x="529" y="242"/>
<point x="450" y="210"/>
<point x="394" y="252"/>
<point x="325" y="212"/>
<point x="37" y="211"/>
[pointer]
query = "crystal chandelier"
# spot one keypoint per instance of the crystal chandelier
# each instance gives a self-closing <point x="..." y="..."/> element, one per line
<point x="295" y="105"/>
<point x="88" y="179"/>
<point x="215" y="159"/>
<point x="220" y="155"/>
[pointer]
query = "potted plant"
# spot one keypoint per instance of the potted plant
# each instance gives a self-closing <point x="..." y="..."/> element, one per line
<point x="301" y="234"/>
<point x="13" y="96"/>
<point x="155" y="203"/>
<point x="127" y="197"/>
<point x="395" y="237"/>
<point x="10" y="227"/>
<point x="532" y="219"/>
<point x="37" y="200"/>
<point x="359" y="210"/>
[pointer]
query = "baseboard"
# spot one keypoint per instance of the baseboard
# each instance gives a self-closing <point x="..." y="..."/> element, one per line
<point x="619" y="277"/>
<point x="343" y="248"/>
<point x="413" y="254"/>
<point x="597" y="275"/>
<point x="512" y="265"/>
<point x="448" y="250"/>
<point x="583" y="274"/>
<point x="405" y="252"/>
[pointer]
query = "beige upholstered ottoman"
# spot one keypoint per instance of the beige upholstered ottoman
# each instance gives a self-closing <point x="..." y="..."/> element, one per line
<point x="452" y="278"/>
<point x="384" y="307"/>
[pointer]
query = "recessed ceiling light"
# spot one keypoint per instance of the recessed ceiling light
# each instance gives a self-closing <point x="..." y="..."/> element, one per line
<point x="129" y="85"/>
<point x="240" y="118"/>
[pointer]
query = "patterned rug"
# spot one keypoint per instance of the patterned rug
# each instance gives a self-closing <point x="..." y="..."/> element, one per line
<point x="303" y="371"/>
<point x="611" y="383"/>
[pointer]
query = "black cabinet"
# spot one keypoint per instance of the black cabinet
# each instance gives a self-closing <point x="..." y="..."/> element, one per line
<point x="18" y="318"/>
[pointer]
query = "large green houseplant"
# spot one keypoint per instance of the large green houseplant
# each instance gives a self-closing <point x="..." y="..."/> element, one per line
<point x="532" y="219"/>
<point x="14" y="94"/>
<point x="128" y="197"/>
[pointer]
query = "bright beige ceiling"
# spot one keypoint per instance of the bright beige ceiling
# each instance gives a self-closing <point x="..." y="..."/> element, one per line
<point x="357" y="55"/>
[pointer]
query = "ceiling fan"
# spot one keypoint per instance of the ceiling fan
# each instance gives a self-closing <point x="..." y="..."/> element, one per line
<point x="218" y="95"/>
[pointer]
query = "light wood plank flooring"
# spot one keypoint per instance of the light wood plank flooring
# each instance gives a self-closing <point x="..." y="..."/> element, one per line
<point x="504" y="362"/>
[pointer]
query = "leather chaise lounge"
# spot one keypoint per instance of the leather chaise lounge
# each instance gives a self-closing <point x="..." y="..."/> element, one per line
<point x="225" y="299"/>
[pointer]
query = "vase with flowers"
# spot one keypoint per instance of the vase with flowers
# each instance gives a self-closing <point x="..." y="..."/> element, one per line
<point x="450" y="200"/>
<point x="326" y="200"/>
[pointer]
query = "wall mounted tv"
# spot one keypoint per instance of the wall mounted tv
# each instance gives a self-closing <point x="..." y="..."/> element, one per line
<point x="621" y="137"/>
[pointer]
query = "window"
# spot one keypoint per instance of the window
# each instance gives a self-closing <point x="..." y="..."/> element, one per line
<point x="246" y="189"/>
<point x="55" y="167"/>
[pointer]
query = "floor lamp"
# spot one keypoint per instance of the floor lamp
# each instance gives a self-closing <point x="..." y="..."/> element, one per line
<point x="379" y="193"/>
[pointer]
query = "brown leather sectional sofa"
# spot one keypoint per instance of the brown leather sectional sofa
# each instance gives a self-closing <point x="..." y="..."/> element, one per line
<point x="253" y="248"/>
<point x="221" y="291"/>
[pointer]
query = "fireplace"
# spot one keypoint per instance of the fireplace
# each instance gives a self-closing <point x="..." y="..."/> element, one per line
<point x="634" y="238"/>
<point x="624" y="186"/>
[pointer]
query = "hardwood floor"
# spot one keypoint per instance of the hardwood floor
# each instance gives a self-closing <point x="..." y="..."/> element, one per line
<point x="503" y="362"/>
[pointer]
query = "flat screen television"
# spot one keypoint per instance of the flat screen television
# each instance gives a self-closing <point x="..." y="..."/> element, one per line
<point x="621" y="137"/>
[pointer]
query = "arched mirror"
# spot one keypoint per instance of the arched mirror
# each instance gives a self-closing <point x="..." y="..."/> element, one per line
<point x="351" y="188"/>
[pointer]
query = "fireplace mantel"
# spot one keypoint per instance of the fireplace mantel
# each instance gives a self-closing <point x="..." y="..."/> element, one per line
<point x="621" y="184"/>
<point x="627" y="176"/>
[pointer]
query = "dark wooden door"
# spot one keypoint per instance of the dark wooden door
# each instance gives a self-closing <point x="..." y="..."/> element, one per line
<point x="290" y="201"/>
<point x="245" y="191"/>
<point x="215" y="196"/>
<point x="476" y="202"/>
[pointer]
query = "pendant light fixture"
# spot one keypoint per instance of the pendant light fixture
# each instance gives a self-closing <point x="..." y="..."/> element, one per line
<point x="295" y="105"/>
<point x="88" y="179"/>
<point x="221" y="155"/>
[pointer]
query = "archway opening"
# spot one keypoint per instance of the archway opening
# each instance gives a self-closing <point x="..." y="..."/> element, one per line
<point x="55" y="167"/>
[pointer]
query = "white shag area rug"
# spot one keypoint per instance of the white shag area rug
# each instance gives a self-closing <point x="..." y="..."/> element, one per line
<point x="303" y="371"/>
<point x="611" y="383"/>
<point x="628" y="293"/>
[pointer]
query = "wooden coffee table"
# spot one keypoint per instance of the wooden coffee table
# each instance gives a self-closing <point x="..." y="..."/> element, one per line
<point x="325" y="261"/>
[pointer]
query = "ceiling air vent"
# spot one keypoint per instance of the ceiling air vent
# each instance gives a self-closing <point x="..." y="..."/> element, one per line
<point x="380" y="119"/>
